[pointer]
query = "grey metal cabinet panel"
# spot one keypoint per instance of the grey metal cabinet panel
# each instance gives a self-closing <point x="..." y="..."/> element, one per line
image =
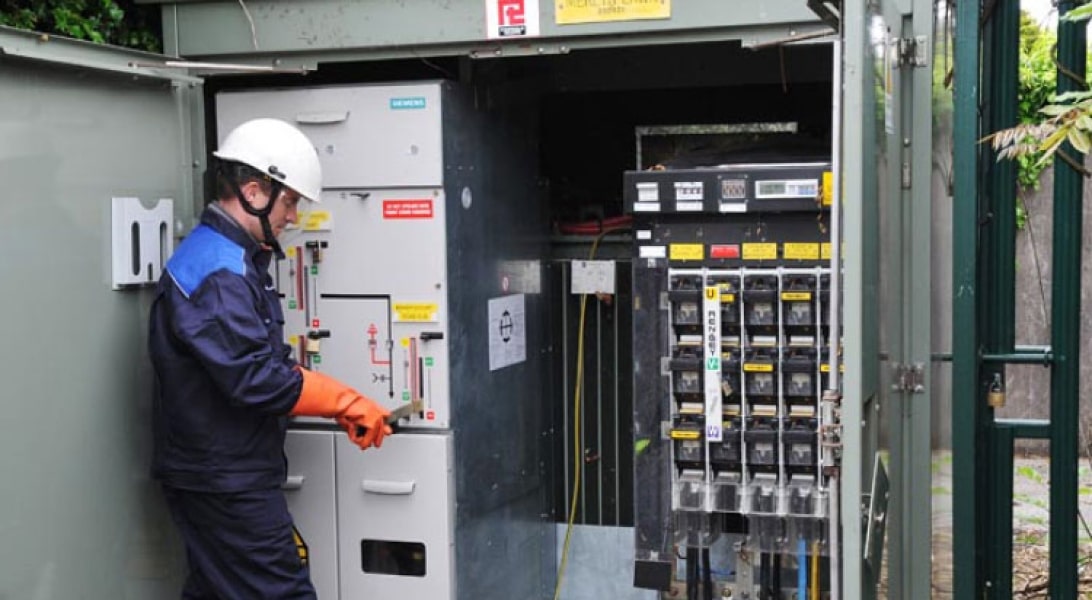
<point x="401" y="493"/>
<point x="309" y="490"/>
<point x="366" y="136"/>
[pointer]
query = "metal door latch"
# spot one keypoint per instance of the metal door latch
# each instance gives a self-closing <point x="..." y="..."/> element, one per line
<point x="912" y="51"/>
<point x="908" y="378"/>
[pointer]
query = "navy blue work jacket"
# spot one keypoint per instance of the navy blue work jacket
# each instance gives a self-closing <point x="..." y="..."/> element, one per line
<point x="225" y="378"/>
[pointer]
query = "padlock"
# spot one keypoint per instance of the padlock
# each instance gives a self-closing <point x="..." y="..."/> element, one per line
<point x="995" y="397"/>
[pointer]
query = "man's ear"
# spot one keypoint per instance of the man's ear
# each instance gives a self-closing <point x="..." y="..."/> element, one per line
<point x="252" y="192"/>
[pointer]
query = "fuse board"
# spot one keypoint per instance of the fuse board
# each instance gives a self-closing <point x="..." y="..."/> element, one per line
<point x="736" y="262"/>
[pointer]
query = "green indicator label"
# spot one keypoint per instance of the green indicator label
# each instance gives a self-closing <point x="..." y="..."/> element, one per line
<point x="316" y="359"/>
<point x="428" y="361"/>
<point x="292" y="305"/>
<point x="712" y="363"/>
<point x="314" y="269"/>
<point x="405" y="395"/>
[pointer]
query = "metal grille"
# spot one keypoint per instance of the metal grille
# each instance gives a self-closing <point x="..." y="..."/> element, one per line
<point x="606" y="399"/>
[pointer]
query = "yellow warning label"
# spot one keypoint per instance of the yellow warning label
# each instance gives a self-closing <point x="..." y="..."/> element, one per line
<point x="405" y="342"/>
<point x="758" y="368"/>
<point x="686" y="251"/>
<point x="796" y="296"/>
<point x="415" y="312"/>
<point x="763" y="251"/>
<point x="316" y="220"/>
<point x="685" y="434"/>
<point x="727" y="298"/>
<point x="825" y="368"/>
<point x="293" y="340"/>
<point x="824" y="251"/>
<point x="797" y="251"/>
<point x="828" y="188"/>
<point x="290" y="252"/>
<point x="567" y="12"/>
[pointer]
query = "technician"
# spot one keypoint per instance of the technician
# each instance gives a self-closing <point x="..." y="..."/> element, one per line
<point x="226" y="383"/>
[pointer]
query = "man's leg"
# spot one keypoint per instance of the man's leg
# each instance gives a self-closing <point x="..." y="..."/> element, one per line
<point x="240" y="545"/>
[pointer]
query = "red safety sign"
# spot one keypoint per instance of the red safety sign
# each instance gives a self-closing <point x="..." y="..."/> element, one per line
<point x="407" y="209"/>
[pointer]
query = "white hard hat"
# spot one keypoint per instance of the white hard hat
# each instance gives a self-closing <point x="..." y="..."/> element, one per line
<point x="278" y="150"/>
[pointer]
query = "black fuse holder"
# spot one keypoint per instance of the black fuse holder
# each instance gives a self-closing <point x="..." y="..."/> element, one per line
<point x="686" y="374"/>
<point x="761" y="436"/>
<point x="760" y="302"/>
<point x="799" y="373"/>
<point x="800" y="438"/>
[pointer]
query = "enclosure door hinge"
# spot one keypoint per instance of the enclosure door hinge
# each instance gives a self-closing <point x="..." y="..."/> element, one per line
<point x="908" y="378"/>
<point x="913" y="51"/>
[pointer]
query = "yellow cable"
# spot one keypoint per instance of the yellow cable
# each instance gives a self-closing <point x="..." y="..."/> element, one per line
<point x="815" y="570"/>
<point x="577" y="454"/>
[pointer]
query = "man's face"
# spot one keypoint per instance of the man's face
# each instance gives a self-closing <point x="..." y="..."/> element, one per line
<point x="283" y="213"/>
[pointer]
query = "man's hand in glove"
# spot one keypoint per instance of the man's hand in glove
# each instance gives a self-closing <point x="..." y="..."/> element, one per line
<point x="324" y="396"/>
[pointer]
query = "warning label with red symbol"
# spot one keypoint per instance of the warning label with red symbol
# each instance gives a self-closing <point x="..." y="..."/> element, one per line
<point x="511" y="19"/>
<point x="407" y="209"/>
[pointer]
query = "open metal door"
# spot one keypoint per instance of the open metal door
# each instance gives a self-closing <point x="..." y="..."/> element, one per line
<point x="886" y="176"/>
<point x="79" y="127"/>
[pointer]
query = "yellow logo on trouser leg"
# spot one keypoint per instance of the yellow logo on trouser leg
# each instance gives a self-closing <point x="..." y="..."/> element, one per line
<point x="301" y="546"/>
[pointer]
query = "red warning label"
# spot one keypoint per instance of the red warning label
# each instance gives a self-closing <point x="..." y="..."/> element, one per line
<point x="407" y="209"/>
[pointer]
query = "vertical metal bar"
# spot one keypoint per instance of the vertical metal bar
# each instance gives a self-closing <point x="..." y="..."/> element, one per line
<point x="617" y="415"/>
<point x="918" y="534"/>
<point x="583" y="383"/>
<point x="565" y="386"/>
<point x="1065" y="328"/>
<point x="599" y="405"/>
<point x="999" y="233"/>
<point x="835" y="300"/>
<point x="967" y="568"/>
<point x="1001" y="508"/>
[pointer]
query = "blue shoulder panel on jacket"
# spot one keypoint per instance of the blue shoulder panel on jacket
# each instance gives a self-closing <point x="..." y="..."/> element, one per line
<point x="204" y="252"/>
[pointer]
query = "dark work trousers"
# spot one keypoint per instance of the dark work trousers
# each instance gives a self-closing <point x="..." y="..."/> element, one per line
<point x="239" y="546"/>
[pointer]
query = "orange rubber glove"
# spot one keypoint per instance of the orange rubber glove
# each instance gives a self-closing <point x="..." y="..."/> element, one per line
<point x="324" y="396"/>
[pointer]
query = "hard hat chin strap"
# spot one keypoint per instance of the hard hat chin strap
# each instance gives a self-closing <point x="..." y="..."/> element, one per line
<point x="275" y="188"/>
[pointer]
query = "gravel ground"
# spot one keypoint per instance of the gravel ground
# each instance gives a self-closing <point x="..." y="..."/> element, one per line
<point x="1031" y="524"/>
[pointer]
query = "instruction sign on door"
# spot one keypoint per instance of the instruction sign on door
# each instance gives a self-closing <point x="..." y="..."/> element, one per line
<point x="507" y="331"/>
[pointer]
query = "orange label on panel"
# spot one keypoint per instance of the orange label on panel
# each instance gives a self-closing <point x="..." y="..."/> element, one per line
<point x="407" y="209"/>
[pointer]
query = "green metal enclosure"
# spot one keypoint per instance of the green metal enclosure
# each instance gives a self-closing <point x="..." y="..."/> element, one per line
<point x="78" y="127"/>
<point x="82" y="124"/>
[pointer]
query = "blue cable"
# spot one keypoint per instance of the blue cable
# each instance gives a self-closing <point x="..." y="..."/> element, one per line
<point x="802" y="568"/>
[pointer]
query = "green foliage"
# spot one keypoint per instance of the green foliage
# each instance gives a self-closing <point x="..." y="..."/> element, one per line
<point x="1047" y="121"/>
<point x="1031" y="473"/>
<point x="1037" y="77"/>
<point x="119" y="22"/>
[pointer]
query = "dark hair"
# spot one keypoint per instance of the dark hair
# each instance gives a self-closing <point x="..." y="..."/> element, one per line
<point x="228" y="171"/>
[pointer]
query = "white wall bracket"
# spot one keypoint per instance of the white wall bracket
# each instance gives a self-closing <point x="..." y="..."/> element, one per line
<point x="143" y="240"/>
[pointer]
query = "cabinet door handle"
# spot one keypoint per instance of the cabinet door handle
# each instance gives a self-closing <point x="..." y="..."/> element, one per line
<point x="322" y="118"/>
<point x="293" y="482"/>
<point x="388" y="488"/>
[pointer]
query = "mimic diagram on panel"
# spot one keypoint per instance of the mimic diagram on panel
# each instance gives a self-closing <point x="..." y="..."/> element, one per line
<point x="381" y="344"/>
